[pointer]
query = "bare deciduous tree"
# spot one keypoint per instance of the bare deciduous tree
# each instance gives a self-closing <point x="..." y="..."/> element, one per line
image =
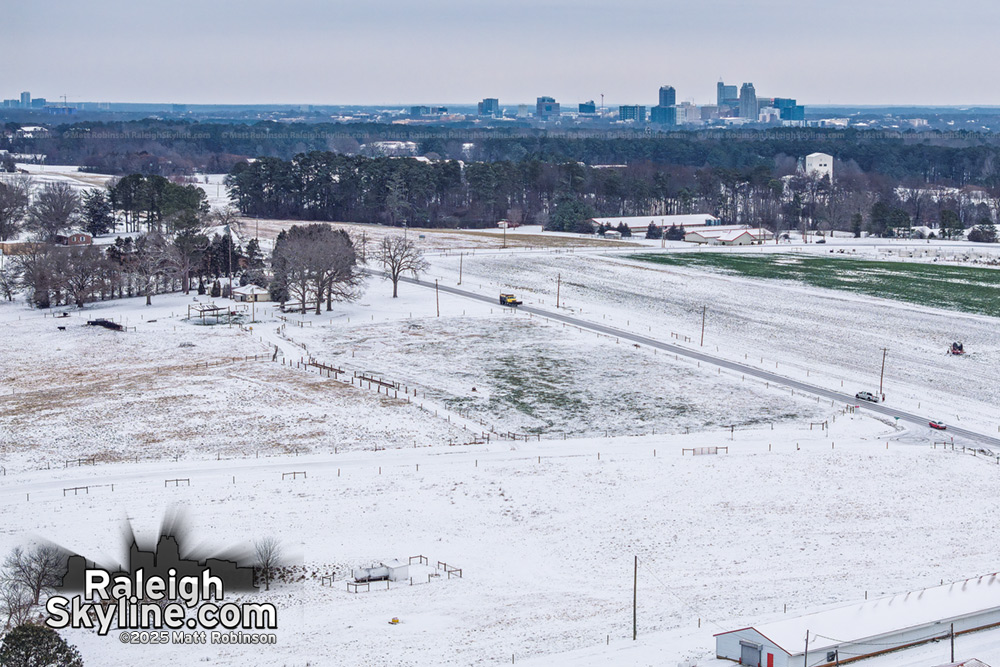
<point x="54" y="211"/>
<point x="267" y="555"/>
<point x="399" y="255"/>
<point x="10" y="280"/>
<point x="316" y="263"/>
<point x="149" y="261"/>
<point x="84" y="273"/>
<point x="37" y="570"/>
<point x="15" y="603"/>
<point x="13" y="205"/>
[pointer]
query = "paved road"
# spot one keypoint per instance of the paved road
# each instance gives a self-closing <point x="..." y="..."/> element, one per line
<point x="919" y="420"/>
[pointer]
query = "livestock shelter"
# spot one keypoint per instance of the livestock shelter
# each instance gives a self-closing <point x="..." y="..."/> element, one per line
<point x="251" y="292"/>
<point x="864" y="629"/>
<point x="728" y="235"/>
<point x="640" y="223"/>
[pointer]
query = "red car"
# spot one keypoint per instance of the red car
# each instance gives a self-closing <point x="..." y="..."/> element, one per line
<point x="938" y="425"/>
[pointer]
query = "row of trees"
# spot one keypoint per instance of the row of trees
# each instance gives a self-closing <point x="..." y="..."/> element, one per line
<point x="167" y="147"/>
<point x="563" y="197"/>
<point x="135" y="201"/>
<point x="141" y="266"/>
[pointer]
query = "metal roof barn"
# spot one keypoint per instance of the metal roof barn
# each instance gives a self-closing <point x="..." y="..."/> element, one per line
<point x="864" y="629"/>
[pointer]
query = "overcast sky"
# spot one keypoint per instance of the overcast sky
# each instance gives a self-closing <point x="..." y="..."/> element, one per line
<point x="459" y="51"/>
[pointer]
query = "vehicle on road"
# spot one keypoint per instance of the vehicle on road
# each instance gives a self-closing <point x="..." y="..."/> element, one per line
<point x="509" y="300"/>
<point x="937" y="425"/>
<point x="866" y="396"/>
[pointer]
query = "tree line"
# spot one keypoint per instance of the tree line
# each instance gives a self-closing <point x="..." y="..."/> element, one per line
<point x="134" y="202"/>
<point x="172" y="147"/>
<point x="564" y="196"/>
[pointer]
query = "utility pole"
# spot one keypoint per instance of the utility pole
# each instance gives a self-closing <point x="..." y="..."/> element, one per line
<point x="437" y="298"/>
<point x="703" y="309"/>
<point x="558" y="287"/>
<point x="504" y="234"/>
<point x="635" y="597"/>
<point x="805" y="656"/>
<point x="881" y="376"/>
<point x="229" y="234"/>
<point x="459" y="268"/>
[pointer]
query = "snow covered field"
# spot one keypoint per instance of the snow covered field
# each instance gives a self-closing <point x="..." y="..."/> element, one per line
<point x="829" y="338"/>
<point x="544" y="529"/>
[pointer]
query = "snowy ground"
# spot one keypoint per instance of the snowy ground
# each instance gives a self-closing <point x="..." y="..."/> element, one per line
<point x="827" y="337"/>
<point x="546" y="529"/>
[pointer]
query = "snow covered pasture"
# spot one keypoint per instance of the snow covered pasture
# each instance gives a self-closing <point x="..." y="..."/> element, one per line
<point x="545" y="530"/>
<point x="89" y="392"/>
<point x="510" y="372"/>
<point x="829" y="338"/>
<point x="546" y="546"/>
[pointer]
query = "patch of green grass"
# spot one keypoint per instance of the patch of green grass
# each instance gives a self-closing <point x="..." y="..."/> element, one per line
<point x="961" y="288"/>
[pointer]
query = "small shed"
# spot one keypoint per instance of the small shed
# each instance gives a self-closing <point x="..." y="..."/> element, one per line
<point x="251" y="292"/>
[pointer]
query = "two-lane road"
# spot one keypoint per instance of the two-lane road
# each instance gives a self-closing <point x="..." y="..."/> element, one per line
<point x="724" y="363"/>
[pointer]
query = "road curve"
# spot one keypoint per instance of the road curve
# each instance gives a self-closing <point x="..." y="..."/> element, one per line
<point x="723" y="363"/>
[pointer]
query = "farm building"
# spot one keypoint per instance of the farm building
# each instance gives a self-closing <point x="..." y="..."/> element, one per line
<point x="966" y="663"/>
<point x="728" y="235"/>
<point x="868" y="628"/>
<point x="76" y="238"/>
<point x="641" y="223"/>
<point x="251" y="293"/>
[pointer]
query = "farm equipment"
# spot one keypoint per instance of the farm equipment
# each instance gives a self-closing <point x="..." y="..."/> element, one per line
<point x="956" y="348"/>
<point x="509" y="300"/>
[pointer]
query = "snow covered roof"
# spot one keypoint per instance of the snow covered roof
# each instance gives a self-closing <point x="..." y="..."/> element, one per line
<point x="249" y="290"/>
<point x="729" y="232"/>
<point x="874" y="618"/>
<point x="967" y="663"/>
<point x="689" y="220"/>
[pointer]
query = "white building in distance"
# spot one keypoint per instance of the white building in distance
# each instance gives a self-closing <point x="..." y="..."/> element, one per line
<point x="820" y="165"/>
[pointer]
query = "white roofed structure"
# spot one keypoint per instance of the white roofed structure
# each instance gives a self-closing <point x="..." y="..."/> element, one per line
<point x="867" y="628"/>
<point x="640" y="223"/>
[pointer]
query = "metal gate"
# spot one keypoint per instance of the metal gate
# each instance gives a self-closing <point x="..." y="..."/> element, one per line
<point x="750" y="654"/>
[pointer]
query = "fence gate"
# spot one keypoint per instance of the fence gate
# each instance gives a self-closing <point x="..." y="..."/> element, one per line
<point x="750" y="654"/>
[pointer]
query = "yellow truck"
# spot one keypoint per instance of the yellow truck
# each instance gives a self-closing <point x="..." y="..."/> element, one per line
<point x="509" y="300"/>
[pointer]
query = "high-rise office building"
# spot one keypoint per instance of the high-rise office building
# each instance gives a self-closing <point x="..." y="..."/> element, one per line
<point x="546" y="107"/>
<point x="789" y="108"/>
<point x="25" y="100"/>
<point x="748" y="102"/>
<point x="668" y="96"/>
<point x="490" y="106"/>
<point x="726" y="96"/>
<point x="636" y="112"/>
<point x="663" y="115"/>
<point x="588" y="107"/>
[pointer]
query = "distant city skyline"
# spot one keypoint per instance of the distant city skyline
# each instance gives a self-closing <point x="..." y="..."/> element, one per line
<point x="395" y="53"/>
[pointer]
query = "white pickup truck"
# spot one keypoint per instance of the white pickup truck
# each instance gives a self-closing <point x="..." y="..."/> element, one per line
<point x="866" y="396"/>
